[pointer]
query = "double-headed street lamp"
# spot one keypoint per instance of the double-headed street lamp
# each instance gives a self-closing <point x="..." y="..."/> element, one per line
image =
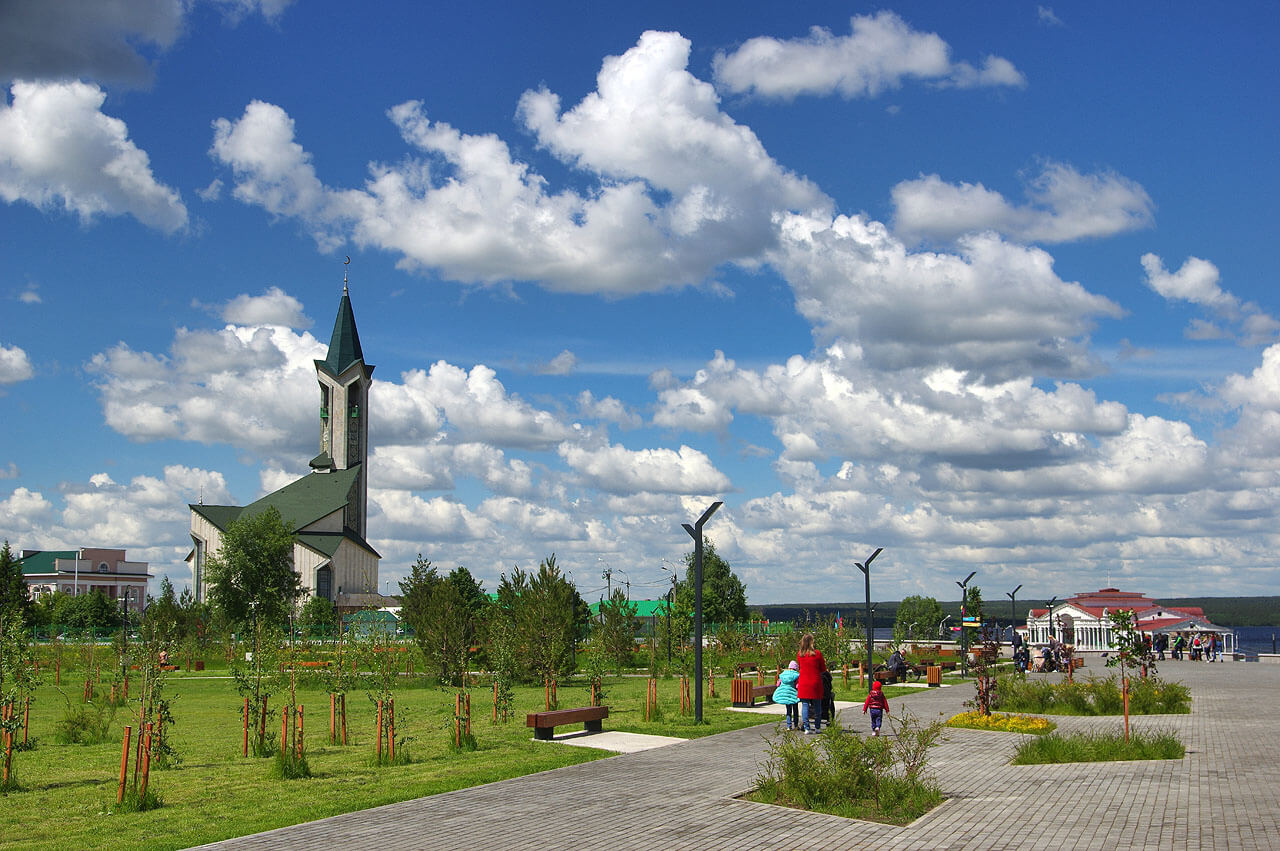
<point x="695" y="532"/>
<point x="1050" y="615"/>
<point x="865" y="567"/>
<point x="964" y="636"/>
<point x="1013" y="611"/>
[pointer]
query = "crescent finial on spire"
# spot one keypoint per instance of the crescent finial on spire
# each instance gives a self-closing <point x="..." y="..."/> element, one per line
<point x="344" y="274"/>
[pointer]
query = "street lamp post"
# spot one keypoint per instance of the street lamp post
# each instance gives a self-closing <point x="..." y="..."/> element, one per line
<point x="695" y="532"/>
<point x="1013" y="611"/>
<point x="865" y="567"/>
<point x="1052" y="600"/>
<point x="941" y="624"/>
<point x="964" y="636"/>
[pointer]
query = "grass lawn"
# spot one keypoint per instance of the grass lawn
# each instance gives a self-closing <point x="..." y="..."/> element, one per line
<point x="67" y="791"/>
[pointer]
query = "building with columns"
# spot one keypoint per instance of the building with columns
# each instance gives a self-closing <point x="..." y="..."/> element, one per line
<point x="328" y="508"/>
<point x="1082" y="621"/>
<point x="85" y="570"/>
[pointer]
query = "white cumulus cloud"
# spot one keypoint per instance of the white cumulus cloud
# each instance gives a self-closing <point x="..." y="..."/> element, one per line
<point x="1063" y="205"/>
<point x="880" y="52"/>
<point x="616" y="469"/>
<point x="15" y="366"/>
<point x="58" y="149"/>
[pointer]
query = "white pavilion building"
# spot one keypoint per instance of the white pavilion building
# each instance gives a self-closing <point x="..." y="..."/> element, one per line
<point x="1083" y="621"/>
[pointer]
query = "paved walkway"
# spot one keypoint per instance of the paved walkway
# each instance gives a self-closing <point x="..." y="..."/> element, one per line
<point x="1224" y="794"/>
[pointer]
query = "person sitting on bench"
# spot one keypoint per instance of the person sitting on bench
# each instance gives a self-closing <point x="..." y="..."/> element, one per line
<point x="897" y="665"/>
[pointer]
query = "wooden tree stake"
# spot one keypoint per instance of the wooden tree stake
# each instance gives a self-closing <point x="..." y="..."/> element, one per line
<point x="146" y="766"/>
<point x="124" y="763"/>
<point x="379" y="732"/>
<point x="244" y="750"/>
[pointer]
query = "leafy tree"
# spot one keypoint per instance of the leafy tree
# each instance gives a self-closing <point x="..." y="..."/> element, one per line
<point x="17" y="682"/>
<point x="917" y="617"/>
<point x="444" y="613"/>
<point x="318" y="617"/>
<point x="724" y="596"/>
<point x="973" y="603"/>
<point x="470" y="591"/>
<point x="14" y="594"/>
<point x="251" y="576"/>
<point x="546" y="612"/>
<point x="163" y="617"/>
<point x="415" y="594"/>
<point x="616" y="629"/>
<point x="86" y="611"/>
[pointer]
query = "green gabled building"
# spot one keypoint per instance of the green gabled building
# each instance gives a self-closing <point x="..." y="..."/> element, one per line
<point x="328" y="508"/>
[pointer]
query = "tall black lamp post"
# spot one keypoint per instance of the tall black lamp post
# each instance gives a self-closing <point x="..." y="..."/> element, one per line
<point x="695" y="532"/>
<point x="1013" y="611"/>
<point x="1050" y="615"/>
<point x="865" y="567"/>
<point x="964" y="635"/>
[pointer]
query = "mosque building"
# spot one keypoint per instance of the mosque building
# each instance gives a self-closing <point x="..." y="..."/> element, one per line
<point x="327" y="508"/>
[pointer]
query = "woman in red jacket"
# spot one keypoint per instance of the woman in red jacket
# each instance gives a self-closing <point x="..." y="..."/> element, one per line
<point x="809" y="686"/>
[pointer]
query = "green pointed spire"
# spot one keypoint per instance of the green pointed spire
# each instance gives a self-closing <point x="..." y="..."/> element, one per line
<point x="344" y="345"/>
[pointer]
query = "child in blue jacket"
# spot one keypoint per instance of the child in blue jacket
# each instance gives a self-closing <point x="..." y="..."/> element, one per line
<point x="785" y="693"/>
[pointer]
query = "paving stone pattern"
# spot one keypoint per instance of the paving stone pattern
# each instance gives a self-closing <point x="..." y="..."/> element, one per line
<point x="1224" y="795"/>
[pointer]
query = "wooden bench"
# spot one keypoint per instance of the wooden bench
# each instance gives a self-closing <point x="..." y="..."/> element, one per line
<point x="743" y="693"/>
<point x="544" y="723"/>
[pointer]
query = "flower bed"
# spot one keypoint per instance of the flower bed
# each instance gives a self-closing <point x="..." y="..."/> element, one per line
<point x="1002" y="721"/>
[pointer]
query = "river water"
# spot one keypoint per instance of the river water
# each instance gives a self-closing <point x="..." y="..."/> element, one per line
<point x="1252" y="640"/>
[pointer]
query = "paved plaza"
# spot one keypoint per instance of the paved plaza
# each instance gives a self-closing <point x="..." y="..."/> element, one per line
<point x="1225" y="794"/>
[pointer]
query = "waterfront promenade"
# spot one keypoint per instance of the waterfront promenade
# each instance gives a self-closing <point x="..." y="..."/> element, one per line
<point x="1225" y="794"/>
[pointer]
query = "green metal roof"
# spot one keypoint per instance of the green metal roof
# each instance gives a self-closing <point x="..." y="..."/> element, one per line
<point x="644" y="608"/>
<point x="308" y="499"/>
<point x="43" y="562"/>
<point x="344" y="345"/>
<point x="300" y="503"/>
<point x="219" y="515"/>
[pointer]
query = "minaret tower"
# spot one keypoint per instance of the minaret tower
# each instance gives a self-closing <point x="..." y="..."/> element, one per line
<point x="344" y="410"/>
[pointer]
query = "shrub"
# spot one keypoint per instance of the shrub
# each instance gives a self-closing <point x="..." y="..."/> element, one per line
<point x="290" y="765"/>
<point x="1098" y="747"/>
<point x="85" y="724"/>
<point x="136" y="803"/>
<point x="1153" y="696"/>
<point x="1150" y="696"/>
<point x="880" y="779"/>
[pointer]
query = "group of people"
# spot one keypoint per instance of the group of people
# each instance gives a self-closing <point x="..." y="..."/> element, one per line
<point x="1053" y="656"/>
<point x="807" y="691"/>
<point x="1197" y="648"/>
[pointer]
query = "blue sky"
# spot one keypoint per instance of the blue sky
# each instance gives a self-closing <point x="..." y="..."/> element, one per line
<point x="987" y="286"/>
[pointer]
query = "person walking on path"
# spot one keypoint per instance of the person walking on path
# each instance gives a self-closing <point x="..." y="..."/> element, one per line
<point x="785" y="693"/>
<point x="878" y="705"/>
<point x="809" y="685"/>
